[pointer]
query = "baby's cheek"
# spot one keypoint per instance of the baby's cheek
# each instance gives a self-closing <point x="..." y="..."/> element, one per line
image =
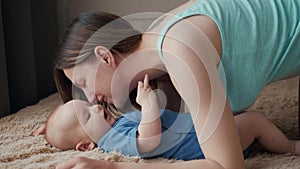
<point x="97" y="130"/>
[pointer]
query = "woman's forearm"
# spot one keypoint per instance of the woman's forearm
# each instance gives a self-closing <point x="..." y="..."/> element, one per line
<point x="83" y="163"/>
<point x="194" y="164"/>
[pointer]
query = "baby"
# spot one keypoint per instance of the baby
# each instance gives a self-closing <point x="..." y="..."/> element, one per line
<point x="77" y="124"/>
<point x="150" y="132"/>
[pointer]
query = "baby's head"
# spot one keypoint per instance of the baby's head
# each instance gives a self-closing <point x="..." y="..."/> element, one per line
<point x="78" y="125"/>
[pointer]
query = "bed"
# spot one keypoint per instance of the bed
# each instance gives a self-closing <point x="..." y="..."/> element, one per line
<point x="20" y="150"/>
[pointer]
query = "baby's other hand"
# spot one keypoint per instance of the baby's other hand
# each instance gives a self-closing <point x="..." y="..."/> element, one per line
<point x="40" y="131"/>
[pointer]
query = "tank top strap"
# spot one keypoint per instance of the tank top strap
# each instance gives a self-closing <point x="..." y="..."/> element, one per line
<point x="162" y="34"/>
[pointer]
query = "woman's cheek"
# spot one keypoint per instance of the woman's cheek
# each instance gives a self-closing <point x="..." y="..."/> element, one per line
<point x="119" y="102"/>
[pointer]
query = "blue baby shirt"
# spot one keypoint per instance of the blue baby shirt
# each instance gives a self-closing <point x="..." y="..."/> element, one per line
<point x="178" y="140"/>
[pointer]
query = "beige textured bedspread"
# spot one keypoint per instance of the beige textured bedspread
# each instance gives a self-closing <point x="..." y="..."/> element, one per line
<point x="19" y="150"/>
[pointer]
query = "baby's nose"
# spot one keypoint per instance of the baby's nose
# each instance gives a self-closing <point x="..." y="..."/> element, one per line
<point x="96" y="108"/>
<point x="92" y="99"/>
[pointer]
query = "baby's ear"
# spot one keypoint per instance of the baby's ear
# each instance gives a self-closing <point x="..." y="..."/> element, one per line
<point x="85" y="146"/>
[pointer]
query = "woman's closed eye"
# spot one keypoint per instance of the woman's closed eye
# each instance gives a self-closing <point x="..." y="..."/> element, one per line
<point x="88" y="117"/>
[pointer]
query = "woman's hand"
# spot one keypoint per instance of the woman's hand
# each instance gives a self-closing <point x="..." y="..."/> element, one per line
<point x="40" y="131"/>
<point x="145" y="95"/>
<point x="85" y="163"/>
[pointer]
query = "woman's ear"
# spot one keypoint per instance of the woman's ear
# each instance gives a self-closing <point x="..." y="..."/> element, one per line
<point x="85" y="146"/>
<point x="105" y="55"/>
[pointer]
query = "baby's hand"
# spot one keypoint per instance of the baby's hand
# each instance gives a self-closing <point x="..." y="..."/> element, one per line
<point x="40" y="131"/>
<point x="145" y="95"/>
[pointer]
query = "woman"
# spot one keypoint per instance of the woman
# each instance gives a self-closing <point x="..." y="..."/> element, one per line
<point x="219" y="54"/>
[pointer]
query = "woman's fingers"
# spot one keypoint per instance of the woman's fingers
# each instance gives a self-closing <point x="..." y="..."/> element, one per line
<point x="68" y="164"/>
<point x="85" y="163"/>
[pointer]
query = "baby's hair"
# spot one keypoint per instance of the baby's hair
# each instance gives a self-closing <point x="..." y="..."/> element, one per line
<point x="46" y="125"/>
<point x="51" y="138"/>
<point x="111" y="109"/>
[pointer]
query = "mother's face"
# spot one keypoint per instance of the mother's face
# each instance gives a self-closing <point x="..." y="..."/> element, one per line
<point x="94" y="76"/>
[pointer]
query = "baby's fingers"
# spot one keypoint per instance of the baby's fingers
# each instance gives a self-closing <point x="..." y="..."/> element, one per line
<point x="140" y="85"/>
<point x="146" y="81"/>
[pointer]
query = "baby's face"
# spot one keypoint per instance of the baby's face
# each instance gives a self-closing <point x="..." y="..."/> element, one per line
<point x="93" y="121"/>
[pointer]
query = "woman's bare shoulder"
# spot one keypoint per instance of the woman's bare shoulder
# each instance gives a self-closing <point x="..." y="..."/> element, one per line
<point x="194" y="30"/>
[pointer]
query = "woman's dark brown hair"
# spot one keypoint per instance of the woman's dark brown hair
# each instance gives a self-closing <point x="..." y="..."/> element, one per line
<point x="85" y="32"/>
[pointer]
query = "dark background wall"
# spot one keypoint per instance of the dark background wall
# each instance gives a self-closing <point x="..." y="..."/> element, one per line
<point x="4" y="95"/>
<point x="29" y="33"/>
<point x="68" y="9"/>
<point x="28" y="40"/>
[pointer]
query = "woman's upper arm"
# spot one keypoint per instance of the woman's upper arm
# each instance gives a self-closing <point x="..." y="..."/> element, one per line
<point x="191" y="61"/>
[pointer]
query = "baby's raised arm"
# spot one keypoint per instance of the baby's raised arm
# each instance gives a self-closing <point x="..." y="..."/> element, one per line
<point x="149" y="130"/>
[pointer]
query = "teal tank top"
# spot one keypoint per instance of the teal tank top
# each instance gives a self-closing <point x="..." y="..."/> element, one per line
<point x="260" y="43"/>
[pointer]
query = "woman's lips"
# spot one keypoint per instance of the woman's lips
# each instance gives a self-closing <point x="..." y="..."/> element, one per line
<point x="104" y="99"/>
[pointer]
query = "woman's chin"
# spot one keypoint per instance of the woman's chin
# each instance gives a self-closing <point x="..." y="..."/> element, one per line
<point x="110" y="101"/>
